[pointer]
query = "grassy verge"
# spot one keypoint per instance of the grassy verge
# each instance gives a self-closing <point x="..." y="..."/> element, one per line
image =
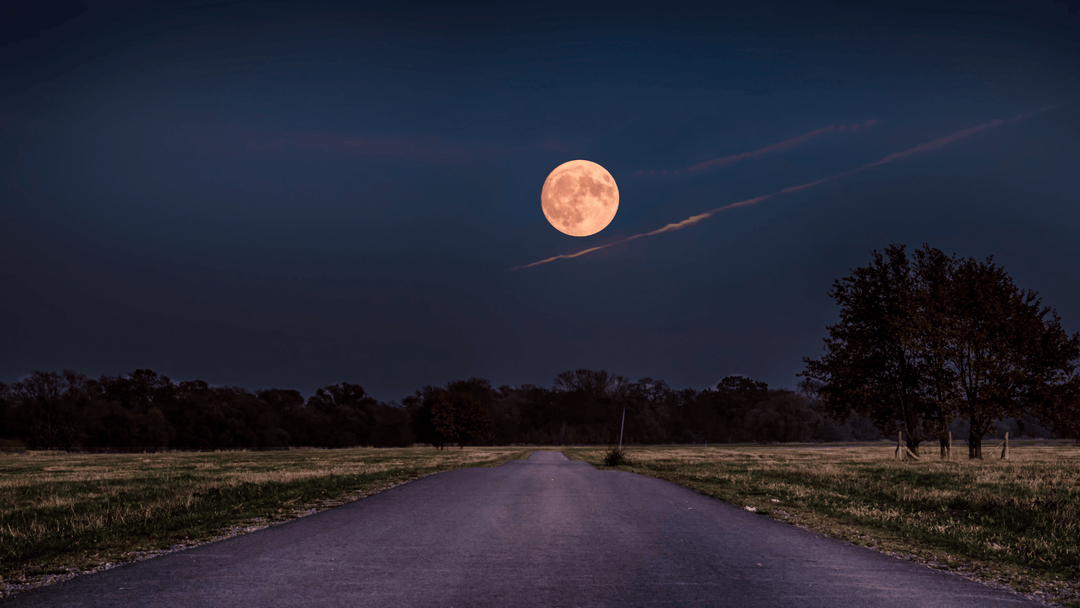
<point x="62" y="515"/>
<point x="1013" y="523"/>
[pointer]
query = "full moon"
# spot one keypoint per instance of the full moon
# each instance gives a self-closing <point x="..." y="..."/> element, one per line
<point x="579" y="198"/>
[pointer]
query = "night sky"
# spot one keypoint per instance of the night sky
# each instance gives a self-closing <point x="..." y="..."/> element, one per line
<point x="292" y="195"/>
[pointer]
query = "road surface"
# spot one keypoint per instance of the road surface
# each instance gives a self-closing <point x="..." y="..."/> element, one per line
<point x="543" y="532"/>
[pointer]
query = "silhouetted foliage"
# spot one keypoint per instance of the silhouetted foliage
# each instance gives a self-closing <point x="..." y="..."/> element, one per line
<point x="47" y="408"/>
<point x="615" y="457"/>
<point x="6" y="429"/>
<point x="873" y="357"/>
<point x="422" y="421"/>
<point x="460" y="413"/>
<point x="1005" y="353"/>
<point x="146" y="411"/>
<point x="922" y="341"/>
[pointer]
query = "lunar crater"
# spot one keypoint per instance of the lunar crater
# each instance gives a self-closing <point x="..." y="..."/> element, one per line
<point x="579" y="198"/>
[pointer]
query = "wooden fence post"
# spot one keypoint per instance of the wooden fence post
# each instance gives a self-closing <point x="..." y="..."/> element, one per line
<point x="902" y="450"/>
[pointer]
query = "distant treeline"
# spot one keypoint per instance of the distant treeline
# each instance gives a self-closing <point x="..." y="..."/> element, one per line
<point x="145" y="410"/>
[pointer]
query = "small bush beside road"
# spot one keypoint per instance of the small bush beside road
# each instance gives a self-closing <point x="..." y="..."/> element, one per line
<point x="616" y="457"/>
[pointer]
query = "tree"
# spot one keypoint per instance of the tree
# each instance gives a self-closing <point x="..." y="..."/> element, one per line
<point x="873" y="362"/>
<point x="920" y="342"/>
<point x="287" y="408"/>
<point x="460" y="417"/>
<point x="444" y="416"/>
<point x="474" y="422"/>
<point x="933" y="272"/>
<point x="420" y="407"/>
<point x="193" y="416"/>
<point x="589" y="382"/>
<point x="1004" y="351"/>
<point x="5" y="396"/>
<point x="584" y="403"/>
<point x="475" y="401"/>
<point x="391" y="426"/>
<point x="648" y="403"/>
<point x="46" y="407"/>
<point x="129" y="411"/>
<point x="140" y="390"/>
<point x="783" y="417"/>
<point x="533" y="407"/>
<point x="1062" y="410"/>
<point x="507" y="412"/>
<point x="350" y="410"/>
<point x="854" y="427"/>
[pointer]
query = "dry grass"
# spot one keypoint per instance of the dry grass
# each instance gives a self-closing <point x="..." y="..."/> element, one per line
<point x="1014" y="523"/>
<point x="61" y="515"/>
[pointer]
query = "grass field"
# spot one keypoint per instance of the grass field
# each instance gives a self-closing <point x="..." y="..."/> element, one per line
<point x="64" y="514"/>
<point x="1014" y="523"/>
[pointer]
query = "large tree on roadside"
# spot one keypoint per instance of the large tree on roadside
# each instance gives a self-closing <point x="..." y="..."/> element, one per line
<point x="1006" y="352"/>
<point x="932" y="313"/>
<point x="874" y="362"/>
<point x="1061" y="410"/>
<point x="923" y="341"/>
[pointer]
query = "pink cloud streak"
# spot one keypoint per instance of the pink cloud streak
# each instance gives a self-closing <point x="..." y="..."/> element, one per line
<point x="787" y="144"/>
<point x="690" y="221"/>
<point x="694" y="219"/>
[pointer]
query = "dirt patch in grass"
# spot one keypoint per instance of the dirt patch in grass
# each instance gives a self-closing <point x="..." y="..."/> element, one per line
<point x="63" y="515"/>
<point x="1007" y="523"/>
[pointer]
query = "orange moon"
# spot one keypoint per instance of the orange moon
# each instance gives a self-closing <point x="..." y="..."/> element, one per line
<point x="579" y="198"/>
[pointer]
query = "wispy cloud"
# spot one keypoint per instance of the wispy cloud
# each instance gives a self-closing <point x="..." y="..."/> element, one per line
<point x="787" y="144"/>
<point x="948" y="139"/>
<point x="690" y="221"/>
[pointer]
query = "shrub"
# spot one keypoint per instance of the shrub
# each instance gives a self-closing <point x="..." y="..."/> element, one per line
<point x="616" y="457"/>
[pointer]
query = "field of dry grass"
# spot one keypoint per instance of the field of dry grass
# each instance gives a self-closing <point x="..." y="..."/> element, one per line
<point x="65" y="514"/>
<point x="1014" y="523"/>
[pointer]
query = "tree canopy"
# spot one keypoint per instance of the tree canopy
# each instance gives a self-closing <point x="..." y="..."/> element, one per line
<point x="924" y="340"/>
<point x="148" y="411"/>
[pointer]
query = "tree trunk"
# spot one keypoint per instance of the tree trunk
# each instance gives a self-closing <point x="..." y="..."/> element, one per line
<point x="974" y="441"/>
<point x="913" y="443"/>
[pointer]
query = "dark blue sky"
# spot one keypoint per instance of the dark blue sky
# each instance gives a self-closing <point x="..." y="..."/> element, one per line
<point x="299" y="194"/>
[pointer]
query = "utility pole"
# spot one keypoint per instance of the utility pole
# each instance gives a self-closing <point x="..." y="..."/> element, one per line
<point x="622" y="426"/>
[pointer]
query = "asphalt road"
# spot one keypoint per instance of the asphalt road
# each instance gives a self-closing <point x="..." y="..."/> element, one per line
<point x="543" y="532"/>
